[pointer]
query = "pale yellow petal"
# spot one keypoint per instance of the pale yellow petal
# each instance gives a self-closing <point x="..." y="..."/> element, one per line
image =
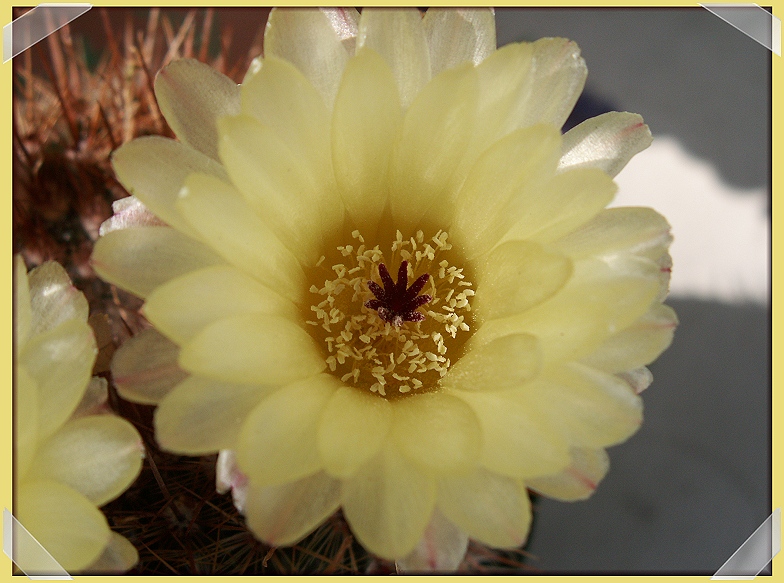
<point x="639" y="265"/>
<point x="306" y="38"/>
<point x="521" y="85"/>
<point x="505" y="186"/>
<point x="201" y="416"/>
<point x="599" y="300"/>
<point x="61" y="362"/>
<point x="98" y="456"/>
<point x="184" y="306"/>
<point x="579" y="480"/>
<point x="388" y="504"/>
<point x="53" y="298"/>
<point x="524" y="85"/>
<point x="352" y="430"/>
<point x="253" y="349"/>
<point x="442" y="548"/>
<point x="492" y="509"/>
<point x="455" y="35"/>
<point x="636" y="230"/>
<point x="26" y="416"/>
<point x="397" y="34"/>
<point x="142" y="258"/>
<point x="556" y="80"/>
<point x="282" y="98"/>
<point x="606" y="142"/>
<point x="118" y="556"/>
<point x="66" y="523"/>
<point x="283" y="515"/>
<point x="153" y="169"/>
<point x="276" y="184"/>
<point x="22" y="312"/>
<point x="435" y="131"/>
<point x="516" y="276"/>
<point x="639" y="344"/>
<point x="503" y="90"/>
<point x="568" y="201"/>
<point x="438" y="432"/>
<point x="364" y="126"/>
<point x="145" y="367"/>
<point x="516" y="440"/>
<point x="192" y="96"/>
<point x="504" y="363"/>
<point x="594" y="408"/>
<point x="279" y="439"/>
<point x="223" y="219"/>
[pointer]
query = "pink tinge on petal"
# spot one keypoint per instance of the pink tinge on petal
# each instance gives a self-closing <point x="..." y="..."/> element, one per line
<point x="660" y="323"/>
<point x="145" y="367"/>
<point x="94" y="401"/>
<point x="629" y="131"/>
<point x="665" y="269"/>
<point x="582" y="478"/>
<point x="229" y="477"/>
<point x="345" y="21"/>
<point x="639" y="379"/>
<point x="579" y="480"/>
<point x="53" y="298"/>
<point x="129" y="212"/>
<point x="607" y="142"/>
<point x="151" y="375"/>
<point x="442" y="548"/>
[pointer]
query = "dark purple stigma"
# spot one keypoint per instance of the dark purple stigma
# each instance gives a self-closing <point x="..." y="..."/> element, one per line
<point x="396" y="302"/>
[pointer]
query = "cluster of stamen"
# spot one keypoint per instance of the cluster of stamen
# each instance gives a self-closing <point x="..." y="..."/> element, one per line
<point x="392" y="340"/>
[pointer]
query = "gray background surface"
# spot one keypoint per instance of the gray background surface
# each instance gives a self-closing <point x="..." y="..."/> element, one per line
<point x="688" y="489"/>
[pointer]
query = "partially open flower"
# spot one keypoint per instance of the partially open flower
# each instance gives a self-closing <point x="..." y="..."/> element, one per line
<point x="392" y="282"/>
<point x="71" y="457"/>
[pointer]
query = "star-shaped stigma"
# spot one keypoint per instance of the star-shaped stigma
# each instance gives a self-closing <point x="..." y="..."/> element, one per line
<point x="396" y="303"/>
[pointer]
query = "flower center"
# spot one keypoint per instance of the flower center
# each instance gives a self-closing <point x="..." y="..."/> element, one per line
<point x="390" y="338"/>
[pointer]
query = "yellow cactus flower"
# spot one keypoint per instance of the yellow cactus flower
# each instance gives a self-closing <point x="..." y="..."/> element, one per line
<point x="71" y="457"/>
<point x="383" y="281"/>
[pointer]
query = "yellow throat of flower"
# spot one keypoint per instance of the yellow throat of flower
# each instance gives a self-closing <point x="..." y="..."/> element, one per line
<point x="391" y="337"/>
